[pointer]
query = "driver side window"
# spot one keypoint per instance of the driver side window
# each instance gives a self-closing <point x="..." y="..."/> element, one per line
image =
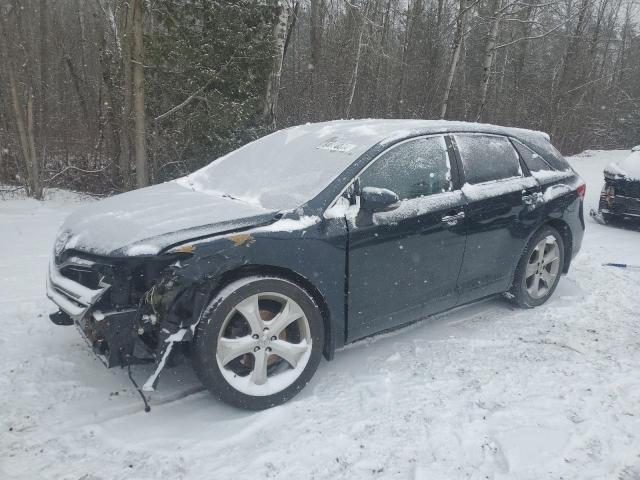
<point x="412" y="169"/>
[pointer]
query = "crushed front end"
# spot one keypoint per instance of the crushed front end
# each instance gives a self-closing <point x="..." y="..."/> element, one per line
<point x="130" y="309"/>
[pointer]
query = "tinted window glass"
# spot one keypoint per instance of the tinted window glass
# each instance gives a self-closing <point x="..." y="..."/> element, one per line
<point x="487" y="157"/>
<point x="412" y="169"/>
<point x="548" y="152"/>
<point x="534" y="162"/>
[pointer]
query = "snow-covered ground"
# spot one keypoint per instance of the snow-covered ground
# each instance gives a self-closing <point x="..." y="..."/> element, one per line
<point x="485" y="391"/>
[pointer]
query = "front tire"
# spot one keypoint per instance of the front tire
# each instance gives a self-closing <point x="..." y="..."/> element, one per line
<point x="539" y="268"/>
<point x="258" y="342"/>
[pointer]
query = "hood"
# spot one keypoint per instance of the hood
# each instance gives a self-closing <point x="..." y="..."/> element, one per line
<point x="628" y="168"/>
<point x="145" y="221"/>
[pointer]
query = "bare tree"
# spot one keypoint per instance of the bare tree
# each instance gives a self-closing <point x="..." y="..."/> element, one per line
<point x="281" y="30"/>
<point x="489" y="51"/>
<point x="126" y="41"/>
<point x="142" y="171"/>
<point x="461" y="27"/>
<point x="23" y="118"/>
<point x="315" y="32"/>
<point x="78" y="81"/>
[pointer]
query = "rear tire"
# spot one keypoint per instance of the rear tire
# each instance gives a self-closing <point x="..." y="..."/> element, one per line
<point x="258" y="342"/>
<point x="539" y="268"/>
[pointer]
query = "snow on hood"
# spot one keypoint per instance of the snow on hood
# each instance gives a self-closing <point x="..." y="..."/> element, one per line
<point x="145" y="221"/>
<point x="629" y="167"/>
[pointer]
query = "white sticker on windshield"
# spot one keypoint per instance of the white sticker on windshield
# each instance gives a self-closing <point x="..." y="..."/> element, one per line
<point x="336" y="146"/>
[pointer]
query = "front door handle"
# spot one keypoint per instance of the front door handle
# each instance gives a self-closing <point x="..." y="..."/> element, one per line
<point x="452" y="220"/>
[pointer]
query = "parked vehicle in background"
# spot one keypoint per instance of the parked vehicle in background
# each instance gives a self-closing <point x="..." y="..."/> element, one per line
<point x="313" y="237"/>
<point x="620" y="197"/>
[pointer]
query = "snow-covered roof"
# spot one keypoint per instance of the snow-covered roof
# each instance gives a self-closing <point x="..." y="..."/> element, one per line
<point x="290" y="166"/>
<point x="363" y="134"/>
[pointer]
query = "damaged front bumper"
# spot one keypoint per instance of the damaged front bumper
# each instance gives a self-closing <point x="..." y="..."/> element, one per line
<point x="129" y="312"/>
<point x="112" y="335"/>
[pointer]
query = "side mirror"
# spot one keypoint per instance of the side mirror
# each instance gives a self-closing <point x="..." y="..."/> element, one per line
<point x="378" y="199"/>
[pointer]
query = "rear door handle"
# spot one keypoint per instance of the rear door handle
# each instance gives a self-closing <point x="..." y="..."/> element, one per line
<point x="452" y="220"/>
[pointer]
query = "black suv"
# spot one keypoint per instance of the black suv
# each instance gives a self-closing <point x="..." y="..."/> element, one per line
<point x="313" y="237"/>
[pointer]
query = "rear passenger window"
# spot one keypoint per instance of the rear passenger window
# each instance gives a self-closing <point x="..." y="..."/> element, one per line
<point x="532" y="160"/>
<point x="412" y="169"/>
<point x="487" y="157"/>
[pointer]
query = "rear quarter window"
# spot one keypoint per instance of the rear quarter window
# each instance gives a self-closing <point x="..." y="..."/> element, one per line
<point x="533" y="161"/>
<point x="487" y="158"/>
<point x="550" y="154"/>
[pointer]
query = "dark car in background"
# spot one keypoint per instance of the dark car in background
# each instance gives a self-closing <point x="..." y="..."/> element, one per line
<point x="620" y="197"/>
<point x="313" y="237"/>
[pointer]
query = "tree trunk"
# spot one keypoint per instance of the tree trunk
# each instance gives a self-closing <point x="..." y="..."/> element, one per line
<point x="105" y="71"/>
<point x="413" y="11"/>
<point x="280" y="34"/>
<point x="125" y="119"/>
<point x="487" y="59"/>
<point x="142" y="171"/>
<point x="79" y="91"/>
<point x="461" y="25"/>
<point x="36" y="186"/>
<point x="315" y="33"/>
<point x="569" y="61"/>
<point x="43" y="121"/>
<point x="354" y="75"/>
<point x="24" y="128"/>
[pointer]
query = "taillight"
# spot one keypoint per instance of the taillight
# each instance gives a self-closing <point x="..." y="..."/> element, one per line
<point x="608" y="194"/>
<point x="581" y="190"/>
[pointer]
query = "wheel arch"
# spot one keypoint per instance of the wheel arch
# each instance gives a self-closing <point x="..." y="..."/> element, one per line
<point x="567" y="239"/>
<point x="294" y="277"/>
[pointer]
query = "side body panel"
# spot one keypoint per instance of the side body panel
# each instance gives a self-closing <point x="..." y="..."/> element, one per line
<point x="404" y="265"/>
<point x="498" y="224"/>
<point x="498" y="229"/>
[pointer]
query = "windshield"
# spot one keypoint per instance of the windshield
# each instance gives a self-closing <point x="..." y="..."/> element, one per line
<point x="282" y="170"/>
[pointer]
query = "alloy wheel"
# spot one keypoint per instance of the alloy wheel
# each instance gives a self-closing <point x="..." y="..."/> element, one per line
<point x="543" y="267"/>
<point x="264" y="344"/>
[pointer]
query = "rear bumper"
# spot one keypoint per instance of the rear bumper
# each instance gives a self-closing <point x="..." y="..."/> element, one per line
<point x="621" y="206"/>
<point x="619" y="198"/>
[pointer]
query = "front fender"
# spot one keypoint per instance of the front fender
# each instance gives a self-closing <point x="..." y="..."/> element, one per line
<point x="313" y="256"/>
